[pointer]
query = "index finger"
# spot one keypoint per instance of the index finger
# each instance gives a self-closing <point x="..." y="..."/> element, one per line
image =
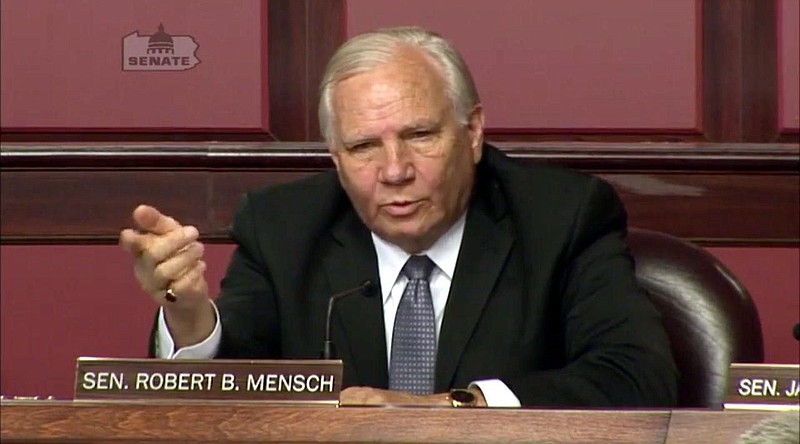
<point x="149" y="219"/>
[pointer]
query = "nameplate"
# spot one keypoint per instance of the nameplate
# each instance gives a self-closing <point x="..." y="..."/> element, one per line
<point x="279" y="381"/>
<point x="763" y="387"/>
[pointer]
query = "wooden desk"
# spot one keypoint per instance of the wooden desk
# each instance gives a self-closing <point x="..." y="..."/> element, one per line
<point x="59" y="421"/>
<point x="695" y="426"/>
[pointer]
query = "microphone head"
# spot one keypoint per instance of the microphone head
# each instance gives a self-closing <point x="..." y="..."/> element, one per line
<point x="368" y="289"/>
<point x="796" y="331"/>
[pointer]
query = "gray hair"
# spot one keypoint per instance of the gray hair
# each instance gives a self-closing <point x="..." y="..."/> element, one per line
<point x="369" y="50"/>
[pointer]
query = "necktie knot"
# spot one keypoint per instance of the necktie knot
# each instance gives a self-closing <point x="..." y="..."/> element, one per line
<point x="418" y="267"/>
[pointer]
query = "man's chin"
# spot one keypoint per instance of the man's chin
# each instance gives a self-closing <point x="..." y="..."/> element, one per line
<point x="406" y="239"/>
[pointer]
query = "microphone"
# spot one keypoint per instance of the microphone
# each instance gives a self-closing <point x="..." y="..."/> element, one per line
<point x="365" y="289"/>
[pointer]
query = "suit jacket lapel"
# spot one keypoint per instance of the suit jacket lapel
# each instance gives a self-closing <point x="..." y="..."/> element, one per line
<point x="352" y="261"/>
<point x="487" y="240"/>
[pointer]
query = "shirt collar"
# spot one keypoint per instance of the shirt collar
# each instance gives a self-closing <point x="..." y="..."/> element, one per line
<point x="443" y="253"/>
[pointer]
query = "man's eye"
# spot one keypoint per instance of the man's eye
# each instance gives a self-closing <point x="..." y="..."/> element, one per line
<point x="360" y="147"/>
<point x="421" y="135"/>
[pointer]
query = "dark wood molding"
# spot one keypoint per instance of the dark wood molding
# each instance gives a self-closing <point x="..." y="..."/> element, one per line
<point x="759" y="71"/>
<point x="721" y="194"/>
<point x="327" y="32"/>
<point x="288" y="100"/>
<point x="303" y="35"/>
<point x="740" y="72"/>
<point x="722" y="81"/>
<point x="313" y="156"/>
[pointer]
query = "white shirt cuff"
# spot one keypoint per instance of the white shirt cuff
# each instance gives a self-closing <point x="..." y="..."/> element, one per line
<point x="206" y="349"/>
<point x="496" y="393"/>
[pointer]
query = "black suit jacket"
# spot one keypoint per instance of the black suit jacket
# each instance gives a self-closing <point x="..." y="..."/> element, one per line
<point x="543" y="296"/>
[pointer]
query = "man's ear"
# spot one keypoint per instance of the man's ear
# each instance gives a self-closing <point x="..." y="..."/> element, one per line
<point x="334" y="156"/>
<point x="475" y="130"/>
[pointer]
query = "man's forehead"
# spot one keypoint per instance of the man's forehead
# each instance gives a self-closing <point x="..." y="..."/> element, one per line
<point x="403" y="93"/>
<point x="391" y="82"/>
<point x="405" y="65"/>
<point x="383" y="109"/>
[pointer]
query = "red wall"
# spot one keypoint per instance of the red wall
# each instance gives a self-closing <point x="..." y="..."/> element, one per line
<point x="62" y="302"/>
<point x="612" y="64"/>
<point x="789" y="65"/>
<point x="62" y="66"/>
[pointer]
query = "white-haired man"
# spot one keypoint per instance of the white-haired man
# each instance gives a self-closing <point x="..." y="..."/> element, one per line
<point x="528" y="295"/>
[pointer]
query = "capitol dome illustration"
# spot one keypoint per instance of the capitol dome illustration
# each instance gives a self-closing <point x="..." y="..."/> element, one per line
<point x="160" y="42"/>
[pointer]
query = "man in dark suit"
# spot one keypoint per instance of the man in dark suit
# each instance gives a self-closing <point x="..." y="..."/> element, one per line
<point x="528" y="295"/>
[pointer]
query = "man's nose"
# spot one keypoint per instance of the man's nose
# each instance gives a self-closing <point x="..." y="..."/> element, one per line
<point x="398" y="165"/>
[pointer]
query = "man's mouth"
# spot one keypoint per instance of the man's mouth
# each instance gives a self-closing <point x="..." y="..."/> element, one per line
<point x="401" y="208"/>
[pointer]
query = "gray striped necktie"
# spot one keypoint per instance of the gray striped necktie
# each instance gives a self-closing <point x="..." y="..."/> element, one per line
<point x="414" y="338"/>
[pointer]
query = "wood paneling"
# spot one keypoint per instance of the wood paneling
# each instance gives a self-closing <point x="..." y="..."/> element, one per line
<point x="303" y="34"/>
<point x="63" y="66"/>
<point x="715" y="194"/>
<point x="740" y="71"/>
<point x="738" y="98"/>
<point x="90" y="203"/>
<point x="300" y="36"/>
<point x="788" y="65"/>
<point x="287" y="69"/>
<point x="622" y="66"/>
<point x="714" y="208"/>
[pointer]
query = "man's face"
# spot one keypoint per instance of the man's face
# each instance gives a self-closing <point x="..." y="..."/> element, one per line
<point x="403" y="158"/>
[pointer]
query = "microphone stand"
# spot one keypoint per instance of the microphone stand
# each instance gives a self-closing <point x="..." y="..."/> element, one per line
<point x="328" y="349"/>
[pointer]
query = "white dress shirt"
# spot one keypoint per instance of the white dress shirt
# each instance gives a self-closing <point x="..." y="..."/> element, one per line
<point x="391" y="259"/>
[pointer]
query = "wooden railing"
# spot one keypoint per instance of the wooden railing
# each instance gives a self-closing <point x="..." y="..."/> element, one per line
<point x="718" y="194"/>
